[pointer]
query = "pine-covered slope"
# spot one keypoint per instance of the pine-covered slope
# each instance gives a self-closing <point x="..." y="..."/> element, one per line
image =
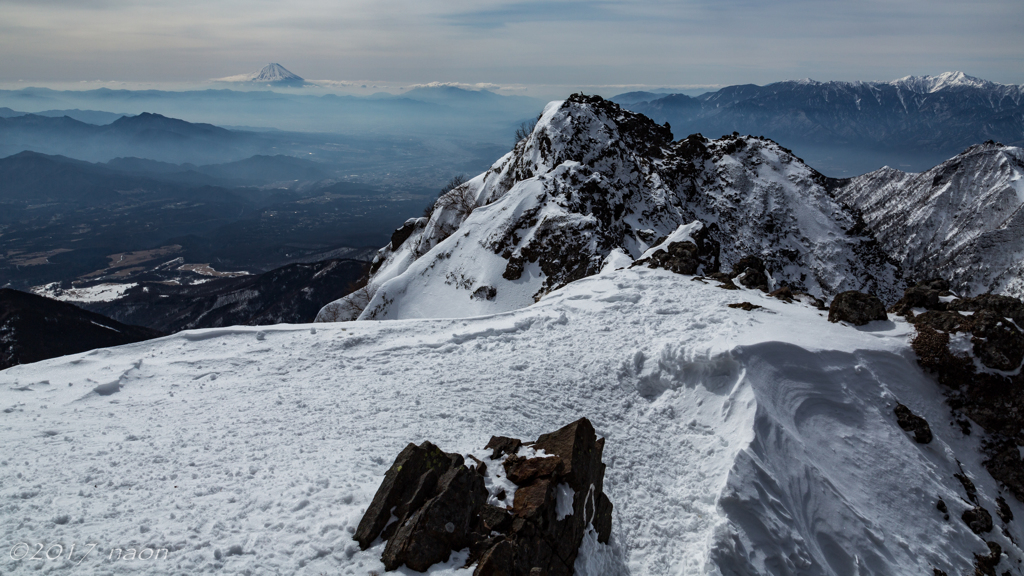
<point x="594" y="184"/>
<point x="962" y="220"/>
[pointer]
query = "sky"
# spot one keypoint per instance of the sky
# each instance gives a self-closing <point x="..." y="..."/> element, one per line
<point x="517" y="45"/>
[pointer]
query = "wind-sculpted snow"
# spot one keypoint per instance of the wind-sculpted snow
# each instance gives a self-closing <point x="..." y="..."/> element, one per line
<point x="738" y="443"/>
<point x="962" y="220"/>
<point x="593" y="178"/>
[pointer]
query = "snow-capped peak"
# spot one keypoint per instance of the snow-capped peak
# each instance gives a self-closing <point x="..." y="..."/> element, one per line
<point x="593" y="179"/>
<point x="929" y="84"/>
<point x="272" y="73"/>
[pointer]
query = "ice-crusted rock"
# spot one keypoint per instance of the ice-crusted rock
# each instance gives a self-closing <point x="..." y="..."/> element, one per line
<point x="962" y="220"/>
<point x="593" y="179"/>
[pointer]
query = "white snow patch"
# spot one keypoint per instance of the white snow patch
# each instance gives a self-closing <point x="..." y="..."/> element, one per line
<point x="97" y="293"/>
<point x="564" y="497"/>
<point x="684" y="233"/>
<point x="736" y="442"/>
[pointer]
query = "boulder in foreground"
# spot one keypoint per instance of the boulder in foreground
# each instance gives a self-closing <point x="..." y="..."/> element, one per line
<point x="432" y="503"/>
<point x="857" y="308"/>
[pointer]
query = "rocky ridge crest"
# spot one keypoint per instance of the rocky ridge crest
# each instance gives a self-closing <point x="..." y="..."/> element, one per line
<point x="593" y="179"/>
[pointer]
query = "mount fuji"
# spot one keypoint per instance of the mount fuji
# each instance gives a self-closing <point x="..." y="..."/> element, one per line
<point x="272" y="74"/>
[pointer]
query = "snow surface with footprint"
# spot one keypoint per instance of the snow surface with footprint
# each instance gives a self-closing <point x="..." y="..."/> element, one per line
<point x="759" y="442"/>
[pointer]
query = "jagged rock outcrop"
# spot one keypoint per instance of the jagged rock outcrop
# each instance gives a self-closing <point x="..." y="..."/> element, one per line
<point x="593" y="180"/>
<point x="975" y="348"/>
<point x="431" y="504"/>
<point x="963" y="220"/>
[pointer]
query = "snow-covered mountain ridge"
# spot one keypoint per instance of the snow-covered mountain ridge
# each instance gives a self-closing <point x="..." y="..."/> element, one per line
<point x="925" y="84"/>
<point x="962" y="220"/>
<point x="849" y="128"/>
<point x="594" y="184"/>
<point x="760" y="442"/>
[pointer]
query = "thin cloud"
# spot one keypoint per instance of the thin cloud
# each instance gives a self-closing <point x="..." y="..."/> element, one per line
<point x="532" y="11"/>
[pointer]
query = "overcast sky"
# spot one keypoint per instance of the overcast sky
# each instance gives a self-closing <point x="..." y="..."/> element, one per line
<point x="561" y="42"/>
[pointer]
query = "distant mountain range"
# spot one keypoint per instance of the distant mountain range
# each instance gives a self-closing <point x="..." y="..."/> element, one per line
<point x="145" y="135"/>
<point x="88" y="116"/>
<point x="63" y="219"/>
<point x="437" y="112"/>
<point x="849" y="128"/>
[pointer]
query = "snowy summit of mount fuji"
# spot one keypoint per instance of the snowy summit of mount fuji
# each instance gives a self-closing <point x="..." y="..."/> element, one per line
<point x="272" y="74"/>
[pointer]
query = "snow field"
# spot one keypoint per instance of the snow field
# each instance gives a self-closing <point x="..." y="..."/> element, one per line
<point x="738" y="442"/>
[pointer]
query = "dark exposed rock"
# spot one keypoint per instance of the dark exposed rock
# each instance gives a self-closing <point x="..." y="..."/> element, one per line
<point x="441" y="525"/>
<point x="977" y="519"/>
<point x="531" y="499"/>
<point x="913" y="423"/>
<point x="785" y="294"/>
<point x="746" y="263"/>
<point x="407" y="484"/>
<point x="495" y="519"/>
<point x="501" y="445"/>
<point x="744" y="306"/>
<point x="441" y="506"/>
<point x="1003" y="306"/>
<point x="685" y="256"/>
<point x="679" y="257"/>
<point x="1006" y="465"/>
<point x="919" y="296"/>
<point x="856" y="308"/>
<point x="498" y="560"/>
<point x="972" y="492"/>
<point x="941" y="506"/>
<point x="986" y="565"/>
<point x="725" y="279"/>
<point x="485" y="293"/>
<point x="399" y="236"/>
<point x="523" y="471"/>
<point x="809" y="299"/>
<point x="1004" y="512"/>
<point x="995" y="401"/>
<point x="947" y="321"/>
<point x="514" y="269"/>
<point x="997" y="342"/>
<point x="752" y="278"/>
